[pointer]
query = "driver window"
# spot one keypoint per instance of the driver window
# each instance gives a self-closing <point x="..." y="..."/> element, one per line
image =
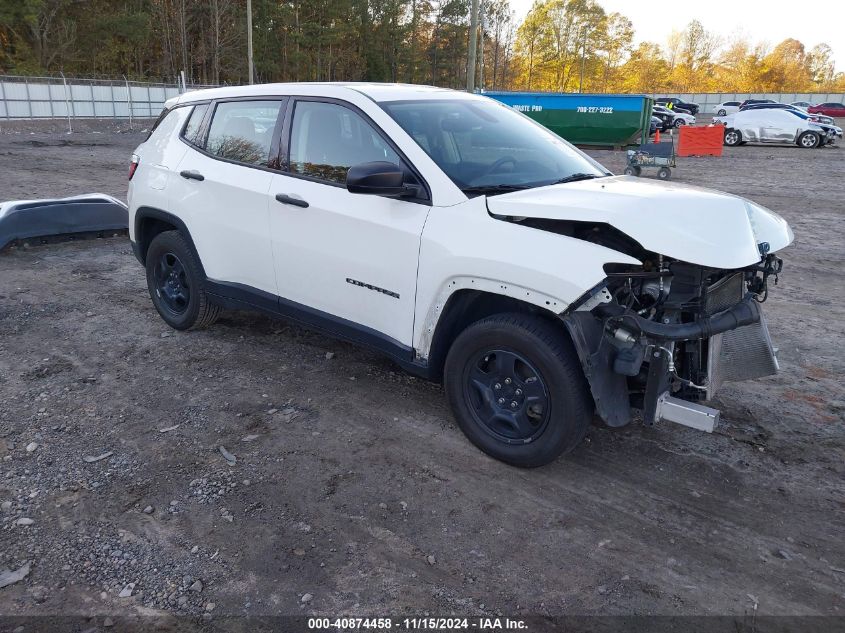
<point x="327" y="139"/>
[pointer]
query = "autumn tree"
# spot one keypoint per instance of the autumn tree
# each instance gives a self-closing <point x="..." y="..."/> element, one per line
<point x="646" y="70"/>
<point x="561" y="45"/>
<point x="821" y="65"/>
<point x="615" y="46"/>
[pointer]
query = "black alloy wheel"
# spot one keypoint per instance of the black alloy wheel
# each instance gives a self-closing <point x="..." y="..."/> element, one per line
<point x="171" y="283"/>
<point x="508" y="396"/>
<point x="176" y="283"/>
<point x="517" y="389"/>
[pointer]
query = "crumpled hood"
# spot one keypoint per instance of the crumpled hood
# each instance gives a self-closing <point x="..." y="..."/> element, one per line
<point x="692" y="224"/>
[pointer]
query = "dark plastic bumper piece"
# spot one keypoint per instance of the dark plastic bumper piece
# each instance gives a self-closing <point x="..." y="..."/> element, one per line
<point x="609" y="389"/>
<point x="65" y="216"/>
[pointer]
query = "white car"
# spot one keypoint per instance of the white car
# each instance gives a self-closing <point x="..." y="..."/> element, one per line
<point x="727" y="107"/>
<point x="772" y="125"/>
<point x="679" y="118"/>
<point x="464" y="241"/>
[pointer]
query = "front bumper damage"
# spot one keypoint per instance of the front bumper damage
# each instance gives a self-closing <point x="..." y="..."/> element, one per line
<point x="665" y="366"/>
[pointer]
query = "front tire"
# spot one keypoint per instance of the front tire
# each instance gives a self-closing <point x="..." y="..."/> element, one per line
<point x="679" y="123"/>
<point x="176" y="283"/>
<point x="809" y="140"/>
<point x="722" y="112"/>
<point x="516" y="388"/>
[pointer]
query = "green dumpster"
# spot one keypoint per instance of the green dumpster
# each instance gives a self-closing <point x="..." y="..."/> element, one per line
<point x="585" y="119"/>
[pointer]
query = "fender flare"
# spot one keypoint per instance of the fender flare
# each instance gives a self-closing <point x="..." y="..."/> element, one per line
<point x="428" y="328"/>
<point x="144" y="213"/>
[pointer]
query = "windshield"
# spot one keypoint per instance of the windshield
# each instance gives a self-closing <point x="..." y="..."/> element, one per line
<point x="486" y="147"/>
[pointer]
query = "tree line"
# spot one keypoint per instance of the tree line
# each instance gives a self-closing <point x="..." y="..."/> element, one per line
<point x="561" y="45"/>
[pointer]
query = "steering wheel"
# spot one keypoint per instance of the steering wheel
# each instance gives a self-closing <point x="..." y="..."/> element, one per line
<point x="504" y="160"/>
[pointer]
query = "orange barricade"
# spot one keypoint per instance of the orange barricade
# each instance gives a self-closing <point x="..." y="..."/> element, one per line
<point x="701" y="141"/>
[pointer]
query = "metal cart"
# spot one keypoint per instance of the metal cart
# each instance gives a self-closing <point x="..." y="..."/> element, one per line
<point x="660" y="156"/>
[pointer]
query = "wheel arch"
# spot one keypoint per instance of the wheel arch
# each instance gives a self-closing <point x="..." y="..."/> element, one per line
<point x="470" y="301"/>
<point x="149" y="222"/>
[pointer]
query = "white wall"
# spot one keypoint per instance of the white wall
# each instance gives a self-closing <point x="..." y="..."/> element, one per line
<point x="51" y="97"/>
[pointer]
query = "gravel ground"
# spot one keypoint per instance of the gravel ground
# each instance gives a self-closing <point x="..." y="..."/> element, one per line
<point x="351" y="490"/>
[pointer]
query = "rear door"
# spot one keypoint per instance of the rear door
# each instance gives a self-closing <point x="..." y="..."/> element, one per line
<point x="223" y="181"/>
<point x="352" y="257"/>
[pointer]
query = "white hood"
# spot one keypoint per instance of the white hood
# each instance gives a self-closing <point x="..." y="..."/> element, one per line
<point x="692" y="224"/>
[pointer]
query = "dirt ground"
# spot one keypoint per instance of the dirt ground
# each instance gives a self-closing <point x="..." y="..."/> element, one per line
<point x="353" y="491"/>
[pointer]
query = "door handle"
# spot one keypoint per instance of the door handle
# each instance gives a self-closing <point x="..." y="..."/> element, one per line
<point x="192" y="174"/>
<point x="297" y="202"/>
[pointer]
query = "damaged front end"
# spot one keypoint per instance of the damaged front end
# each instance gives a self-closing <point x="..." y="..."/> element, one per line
<point x="663" y="336"/>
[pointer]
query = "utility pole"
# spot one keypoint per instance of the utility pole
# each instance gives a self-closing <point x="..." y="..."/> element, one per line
<point x="249" y="39"/>
<point x="583" y="58"/>
<point x="473" y="41"/>
<point x="481" y="19"/>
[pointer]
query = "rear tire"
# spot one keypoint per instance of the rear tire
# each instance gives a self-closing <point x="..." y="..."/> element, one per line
<point x="517" y="390"/>
<point x="176" y="283"/>
<point x="633" y="171"/>
<point x="732" y="138"/>
<point x="664" y="173"/>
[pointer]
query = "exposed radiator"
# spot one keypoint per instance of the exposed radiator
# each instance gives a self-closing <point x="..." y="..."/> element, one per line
<point x="740" y="354"/>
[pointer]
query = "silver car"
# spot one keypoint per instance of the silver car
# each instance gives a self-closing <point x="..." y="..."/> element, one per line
<point x="773" y="126"/>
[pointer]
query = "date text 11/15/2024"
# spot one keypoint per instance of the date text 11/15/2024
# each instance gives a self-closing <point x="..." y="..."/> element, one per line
<point x="417" y="624"/>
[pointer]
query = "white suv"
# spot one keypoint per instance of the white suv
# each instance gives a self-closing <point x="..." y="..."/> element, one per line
<point x="466" y="242"/>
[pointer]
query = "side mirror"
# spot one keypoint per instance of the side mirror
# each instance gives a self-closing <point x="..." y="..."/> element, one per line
<point x="378" y="177"/>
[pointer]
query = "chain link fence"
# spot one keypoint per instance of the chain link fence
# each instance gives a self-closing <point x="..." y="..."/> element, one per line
<point x="74" y="98"/>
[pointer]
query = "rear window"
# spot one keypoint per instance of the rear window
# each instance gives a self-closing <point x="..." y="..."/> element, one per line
<point x="166" y="124"/>
<point x="243" y="131"/>
<point x="158" y="121"/>
<point x="192" y="128"/>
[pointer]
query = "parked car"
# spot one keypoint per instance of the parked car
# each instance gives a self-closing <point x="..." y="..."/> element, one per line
<point x="772" y="125"/>
<point x="818" y="118"/>
<point x="464" y="241"/>
<point x="751" y="101"/>
<point x="801" y="104"/>
<point x="667" y="117"/>
<point x="673" y="118"/>
<point x="682" y="118"/>
<point x="828" y="109"/>
<point x="678" y="104"/>
<point x="768" y="104"/>
<point x="726" y="107"/>
<point x="655" y="124"/>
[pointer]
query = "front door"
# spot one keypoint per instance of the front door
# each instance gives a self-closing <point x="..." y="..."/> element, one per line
<point x="351" y="257"/>
<point x="780" y="126"/>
